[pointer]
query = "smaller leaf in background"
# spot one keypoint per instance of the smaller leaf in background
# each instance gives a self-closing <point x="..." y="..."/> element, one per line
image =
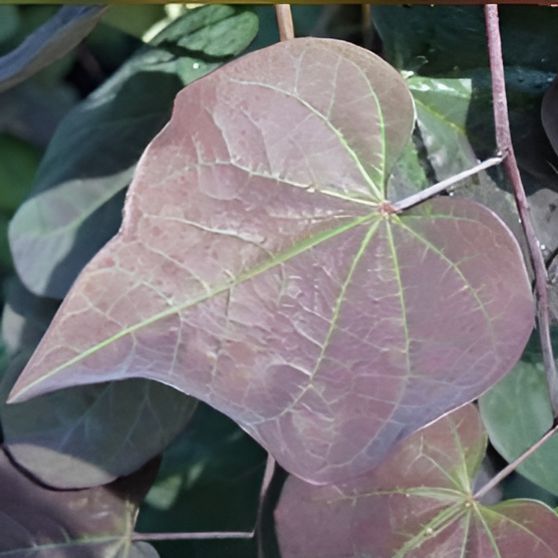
<point x="76" y="204"/>
<point x="25" y="317"/>
<point x="209" y="480"/>
<point x="95" y="523"/>
<point x="18" y="166"/>
<point x="85" y="436"/>
<point x="517" y="412"/>
<point x="50" y="42"/>
<point x="418" y="504"/>
<point x="217" y="31"/>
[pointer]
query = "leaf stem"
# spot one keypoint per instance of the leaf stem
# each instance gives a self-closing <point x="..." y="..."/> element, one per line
<point x="443" y="185"/>
<point x="284" y="21"/>
<point x="511" y="467"/>
<point x="504" y="143"/>
<point x="195" y="536"/>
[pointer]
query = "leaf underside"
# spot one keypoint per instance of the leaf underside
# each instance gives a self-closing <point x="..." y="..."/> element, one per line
<point x="257" y="271"/>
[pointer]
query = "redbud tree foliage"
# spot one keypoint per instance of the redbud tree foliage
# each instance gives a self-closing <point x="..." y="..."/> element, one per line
<point x="279" y="298"/>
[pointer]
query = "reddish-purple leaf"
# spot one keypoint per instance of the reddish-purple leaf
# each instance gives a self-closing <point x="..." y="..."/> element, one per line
<point x="257" y="270"/>
<point x="36" y="522"/>
<point x="417" y="504"/>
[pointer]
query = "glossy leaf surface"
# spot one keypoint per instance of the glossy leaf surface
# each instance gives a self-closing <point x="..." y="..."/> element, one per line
<point x="88" y="435"/>
<point x="517" y="412"/>
<point x="76" y="207"/>
<point x="418" y="504"/>
<point x="257" y="271"/>
<point x="36" y="522"/>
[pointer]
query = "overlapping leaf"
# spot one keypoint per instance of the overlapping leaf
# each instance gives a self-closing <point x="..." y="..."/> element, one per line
<point x="453" y="95"/>
<point x="517" y="412"/>
<point x="86" y="436"/>
<point x="418" y="504"/>
<point x="36" y="522"/>
<point x="50" y="42"/>
<point x="76" y="207"/>
<point x="209" y="480"/>
<point x="260" y="269"/>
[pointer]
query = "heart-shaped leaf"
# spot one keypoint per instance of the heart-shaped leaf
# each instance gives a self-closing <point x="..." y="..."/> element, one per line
<point x="417" y="504"/>
<point x="36" y="522"/>
<point x="259" y="268"/>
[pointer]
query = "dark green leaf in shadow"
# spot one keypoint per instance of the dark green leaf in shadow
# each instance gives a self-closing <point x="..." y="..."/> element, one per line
<point x="50" y="42"/>
<point x="18" y="165"/>
<point x="77" y="196"/>
<point x="85" y="436"/>
<point x="517" y="412"/>
<point x="36" y="522"/>
<point x="209" y="480"/>
<point x="31" y="111"/>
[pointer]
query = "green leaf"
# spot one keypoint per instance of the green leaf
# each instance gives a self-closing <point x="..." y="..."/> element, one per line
<point x="17" y="169"/>
<point x="517" y="412"/>
<point x="77" y="196"/>
<point x="209" y="480"/>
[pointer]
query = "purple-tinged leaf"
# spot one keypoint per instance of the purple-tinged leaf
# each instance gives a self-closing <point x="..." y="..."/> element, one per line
<point x="85" y="436"/>
<point x="418" y="504"/>
<point x="36" y="522"/>
<point x="257" y="270"/>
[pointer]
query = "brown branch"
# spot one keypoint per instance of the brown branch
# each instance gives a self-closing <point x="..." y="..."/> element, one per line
<point x="510" y="468"/>
<point x="504" y="142"/>
<point x="213" y="535"/>
<point x="284" y="21"/>
<point x="443" y="185"/>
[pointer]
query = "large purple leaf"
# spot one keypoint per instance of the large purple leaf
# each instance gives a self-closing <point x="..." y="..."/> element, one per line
<point x="257" y="270"/>
<point x="417" y="504"/>
<point x="36" y="522"/>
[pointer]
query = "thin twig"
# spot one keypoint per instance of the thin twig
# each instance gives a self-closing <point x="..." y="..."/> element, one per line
<point x="218" y="535"/>
<point x="284" y="21"/>
<point x="443" y="185"/>
<point x="509" y="469"/>
<point x="504" y="142"/>
<point x="215" y="535"/>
